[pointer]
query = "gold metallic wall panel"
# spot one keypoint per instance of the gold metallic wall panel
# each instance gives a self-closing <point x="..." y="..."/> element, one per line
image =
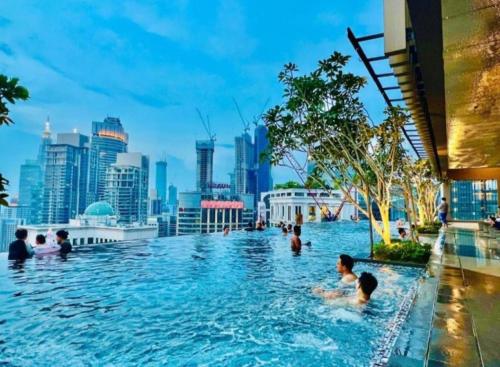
<point x="471" y="54"/>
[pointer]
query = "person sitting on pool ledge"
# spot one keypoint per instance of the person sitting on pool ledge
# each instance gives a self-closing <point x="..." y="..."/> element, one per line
<point x="62" y="240"/>
<point x="365" y="285"/>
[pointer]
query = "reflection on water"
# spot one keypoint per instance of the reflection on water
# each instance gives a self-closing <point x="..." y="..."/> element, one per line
<point x="208" y="300"/>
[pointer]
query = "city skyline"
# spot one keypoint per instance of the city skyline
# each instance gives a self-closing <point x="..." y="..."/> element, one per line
<point x="133" y="66"/>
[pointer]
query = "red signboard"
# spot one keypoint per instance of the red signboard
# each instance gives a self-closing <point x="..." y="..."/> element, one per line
<point x="220" y="204"/>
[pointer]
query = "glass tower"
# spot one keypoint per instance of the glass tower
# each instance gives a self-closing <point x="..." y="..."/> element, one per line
<point x="474" y="200"/>
<point x="66" y="178"/>
<point x="31" y="190"/>
<point x="161" y="181"/>
<point x="108" y="139"/>
<point x="263" y="175"/>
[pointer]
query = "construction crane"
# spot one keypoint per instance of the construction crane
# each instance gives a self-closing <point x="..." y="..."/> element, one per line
<point x="206" y="125"/>
<point x="256" y="119"/>
<point x="246" y="124"/>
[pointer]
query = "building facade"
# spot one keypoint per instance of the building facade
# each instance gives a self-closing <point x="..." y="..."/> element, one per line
<point x="107" y="140"/>
<point x="127" y="187"/>
<point x="66" y="178"/>
<point x="199" y="213"/>
<point x="204" y="165"/>
<point x="31" y="190"/>
<point x="161" y="181"/>
<point x="244" y="165"/>
<point x="172" y="198"/>
<point x="45" y="142"/>
<point x="8" y="228"/>
<point x="264" y="180"/>
<point x="315" y="205"/>
<point x="473" y="200"/>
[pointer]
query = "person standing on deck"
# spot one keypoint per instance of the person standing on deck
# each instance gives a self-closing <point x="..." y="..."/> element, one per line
<point x="443" y="212"/>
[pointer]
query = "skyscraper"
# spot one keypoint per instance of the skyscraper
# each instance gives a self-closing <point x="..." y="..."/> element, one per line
<point x="127" y="187"/>
<point x="264" y="180"/>
<point x="44" y="145"/>
<point x="172" y="195"/>
<point x="244" y="167"/>
<point x="161" y="181"/>
<point x="108" y="139"/>
<point x="66" y="178"/>
<point x="31" y="190"/>
<point x="473" y="200"/>
<point x="204" y="165"/>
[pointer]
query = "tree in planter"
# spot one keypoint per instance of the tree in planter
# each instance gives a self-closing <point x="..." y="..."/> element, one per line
<point x="427" y="190"/>
<point x="10" y="91"/>
<point x="323" y="118"/>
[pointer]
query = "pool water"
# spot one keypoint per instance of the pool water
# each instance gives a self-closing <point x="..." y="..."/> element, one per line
<point x="208" y="300"/>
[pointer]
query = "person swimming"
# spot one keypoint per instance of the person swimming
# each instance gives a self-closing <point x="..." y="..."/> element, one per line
<point x="259" y="227"/>
<point x="295" y="242"/>
<point x="365" y="285"/>
<point x="226" y="230"/>
<point x="42" y="247"/>
<point x="289" y="228"/>
<point x="62" y="240"/>
<point x="345" y="264"/>
<point x="284" y="230"/>
<point x="249" y="227"/>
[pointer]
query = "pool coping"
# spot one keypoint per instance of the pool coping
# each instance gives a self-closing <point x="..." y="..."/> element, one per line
<point x="389" y="262"/>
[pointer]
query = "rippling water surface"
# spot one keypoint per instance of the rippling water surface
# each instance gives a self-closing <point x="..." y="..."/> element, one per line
<point x="241" y="300"/>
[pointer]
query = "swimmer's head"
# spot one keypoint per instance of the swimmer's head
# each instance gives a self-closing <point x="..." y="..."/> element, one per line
<point x="40" y="239"/>
<point x="367" y="283"/>
<point x="345" y="264"/>
<point x="297" y="230"/>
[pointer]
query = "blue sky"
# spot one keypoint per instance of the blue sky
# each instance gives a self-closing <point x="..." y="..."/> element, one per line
<point x="151" y="63"/>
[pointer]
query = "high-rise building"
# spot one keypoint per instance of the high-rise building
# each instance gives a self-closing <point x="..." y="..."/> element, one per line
<point x="161" y="181"/>
<point x="244" y="167"/>
<point x="264" y="180"/>
<point x="127" y="187"/>
<point x="172" y="195"/>
<point x="155" y="204"/>
<point x="473" y="200"/>
<point x="107" y="140"/>
<point x="31" y="190"/>
<point x="66" y="178"/>
<point x="44" y="145"/>
<point x="204" y="165"/>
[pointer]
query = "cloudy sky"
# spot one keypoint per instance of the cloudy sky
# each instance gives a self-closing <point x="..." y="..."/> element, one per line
<point x="152" y="63"/>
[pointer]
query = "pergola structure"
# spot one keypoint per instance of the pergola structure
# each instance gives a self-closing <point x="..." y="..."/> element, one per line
<point x="445" y="56"/>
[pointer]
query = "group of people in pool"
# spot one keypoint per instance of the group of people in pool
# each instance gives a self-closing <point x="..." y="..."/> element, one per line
<point x="364" y="285"/>
<point x="20" y="249"/>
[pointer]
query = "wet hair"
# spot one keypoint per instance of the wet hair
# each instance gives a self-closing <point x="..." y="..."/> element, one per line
<point x="296" y="230"/>
<point x="62" y="234"/>
<point x="284" y="230"/>
<point x="368" y="283"/>
<point x="226" y="227"/>
<point x="21" y="234"/>
<point x="289" y="227"/>
<point x="444" y="199"/>
<point x="347" y="261"/>
<point x="40" y="238"/>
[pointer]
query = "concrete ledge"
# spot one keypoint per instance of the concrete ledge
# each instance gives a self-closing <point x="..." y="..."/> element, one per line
<point x="389" y="262"/>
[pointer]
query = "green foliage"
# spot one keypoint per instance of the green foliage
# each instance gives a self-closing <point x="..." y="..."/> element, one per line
<point x="10" y="91"/>
<point x="288" y="185"/>
<point x="403" y="251"/>
<point x="431" y="228"/>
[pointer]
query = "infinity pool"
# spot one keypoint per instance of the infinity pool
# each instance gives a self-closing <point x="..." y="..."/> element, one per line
<point x="208" y="300"/>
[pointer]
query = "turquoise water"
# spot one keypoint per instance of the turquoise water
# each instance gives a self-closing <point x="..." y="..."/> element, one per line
<point x="241" y="300"/>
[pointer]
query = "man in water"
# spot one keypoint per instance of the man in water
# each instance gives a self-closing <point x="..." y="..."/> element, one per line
<point x="226" y="230"/>
<point x="295" y="242"/>
<point x="365" y="285"/>
<point x="345" y="263"/>
<point x="443" y="212"/>
<point x="62" y="240"/>
<point x="18" y="250"/>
